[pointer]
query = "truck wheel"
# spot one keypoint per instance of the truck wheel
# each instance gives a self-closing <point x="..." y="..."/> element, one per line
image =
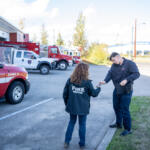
<point x="15" y="93"/>
<point x="62" y="65"/>
<point x="44" y="69"/>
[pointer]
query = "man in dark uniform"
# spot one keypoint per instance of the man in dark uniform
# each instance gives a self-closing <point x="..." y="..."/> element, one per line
<point x="123" y="72"/>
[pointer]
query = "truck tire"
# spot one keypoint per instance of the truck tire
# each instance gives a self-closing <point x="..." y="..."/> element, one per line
<point x="62" y="65"/>
<point x="15" y="92"/>
<point x="44" y="69"/>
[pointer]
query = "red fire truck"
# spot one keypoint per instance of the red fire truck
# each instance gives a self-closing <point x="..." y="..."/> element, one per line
<point x="13" y="83"/>
<point x="35" y="47"/>
<point x="63" y="60"/>
<point x="74" y="53"/>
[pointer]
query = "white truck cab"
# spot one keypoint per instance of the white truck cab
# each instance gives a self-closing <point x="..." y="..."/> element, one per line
<point x="31" y="60"/>
<point x="28" y="59"/>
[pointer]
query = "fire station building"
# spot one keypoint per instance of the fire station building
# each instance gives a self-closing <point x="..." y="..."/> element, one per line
<point x="9" y="32"/>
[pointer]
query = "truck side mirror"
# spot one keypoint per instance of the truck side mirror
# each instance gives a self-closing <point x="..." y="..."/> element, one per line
<point x="1" y="66"/>
<point x="33" y="57"/>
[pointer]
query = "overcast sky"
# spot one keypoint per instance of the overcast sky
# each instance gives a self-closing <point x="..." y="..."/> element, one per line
<point x="107" y="21"/>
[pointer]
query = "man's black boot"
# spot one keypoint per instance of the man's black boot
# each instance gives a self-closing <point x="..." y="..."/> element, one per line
<point x="125" y="132"/>
<point x="115" y="126"/>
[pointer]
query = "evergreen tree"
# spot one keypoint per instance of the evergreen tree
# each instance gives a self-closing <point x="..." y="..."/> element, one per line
<point x="44" y="36"/>
<point x="21" y="23"/>
<point x="59" y="40"/>
<point x="79" y="38"/>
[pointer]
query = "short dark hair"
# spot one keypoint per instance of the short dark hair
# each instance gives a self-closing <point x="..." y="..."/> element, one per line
<point x="113" y="55"/>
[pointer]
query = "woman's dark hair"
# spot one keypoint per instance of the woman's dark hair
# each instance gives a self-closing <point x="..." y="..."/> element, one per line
<point x="81" y="72"/>
<point x="113" y="55"/>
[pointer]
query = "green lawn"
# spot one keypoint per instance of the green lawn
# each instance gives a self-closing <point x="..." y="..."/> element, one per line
<point x="140" y="138"/>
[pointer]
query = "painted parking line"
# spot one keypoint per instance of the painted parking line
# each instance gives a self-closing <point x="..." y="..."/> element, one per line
<point x="25" y="109"/>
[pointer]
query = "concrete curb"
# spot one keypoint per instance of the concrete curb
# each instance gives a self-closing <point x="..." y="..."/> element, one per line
<point x="107" y="139"/>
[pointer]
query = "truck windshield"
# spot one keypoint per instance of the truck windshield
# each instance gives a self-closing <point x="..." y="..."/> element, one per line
<point x="5" y="55"/>
<point x="54" y="50"/>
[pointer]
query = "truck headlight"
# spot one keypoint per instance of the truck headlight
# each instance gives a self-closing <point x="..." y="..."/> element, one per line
<point x="27" y="76"/>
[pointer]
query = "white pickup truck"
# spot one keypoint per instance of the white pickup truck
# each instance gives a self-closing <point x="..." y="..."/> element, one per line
<point x="27" y="59"/>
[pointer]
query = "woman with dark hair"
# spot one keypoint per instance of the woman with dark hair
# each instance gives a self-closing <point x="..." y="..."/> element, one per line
<point x="76" y="95"/>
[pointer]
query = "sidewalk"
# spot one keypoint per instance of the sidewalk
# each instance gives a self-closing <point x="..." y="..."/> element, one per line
<point x="43" y="128"/>
<point x="144" y="69"/>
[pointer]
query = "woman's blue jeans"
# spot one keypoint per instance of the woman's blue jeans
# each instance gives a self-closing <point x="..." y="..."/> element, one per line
<point x="82" y="128"/>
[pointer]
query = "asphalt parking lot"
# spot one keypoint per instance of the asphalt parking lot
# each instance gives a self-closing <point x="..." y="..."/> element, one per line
<point x="39" y="122"/>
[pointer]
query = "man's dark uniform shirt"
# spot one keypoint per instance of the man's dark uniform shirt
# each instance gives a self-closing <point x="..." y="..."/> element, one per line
<point x="117" y="73"/>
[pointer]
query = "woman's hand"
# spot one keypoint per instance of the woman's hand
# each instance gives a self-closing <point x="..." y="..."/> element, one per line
<point x="98" y="86"/>
<point x="102" y="82"/>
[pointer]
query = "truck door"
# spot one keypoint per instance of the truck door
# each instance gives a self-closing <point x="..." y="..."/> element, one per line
<point x="2" y="80"/>
<point x="54" y="53"/>
<point x="18" y="58"/>
<point x="29" y="60"/>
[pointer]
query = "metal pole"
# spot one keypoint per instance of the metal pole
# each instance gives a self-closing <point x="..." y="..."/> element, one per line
<point x="132" y="45"/>
<point x="135" y="40"/>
